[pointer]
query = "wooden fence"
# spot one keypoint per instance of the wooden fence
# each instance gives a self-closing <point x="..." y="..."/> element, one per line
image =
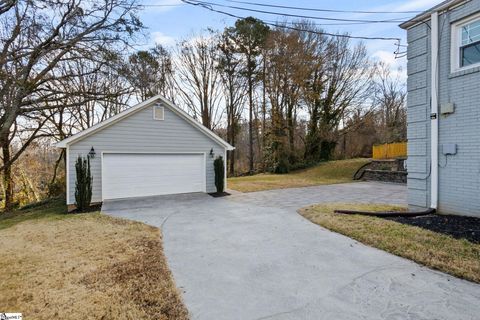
<point x="390" y="150"/>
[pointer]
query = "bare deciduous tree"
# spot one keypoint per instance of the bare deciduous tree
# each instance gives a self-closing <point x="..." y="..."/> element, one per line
<point x="150" y="72"/>
<point x="234" y="86"/>
<point x="198" y="78"/>
<point x="95" y="94"/>
<point x="37" y="37"/>
<point x="287" y="62"/>
<point x="250" y="35"/>
<point x="390" y="96"/>
<point x="345" y="82"/>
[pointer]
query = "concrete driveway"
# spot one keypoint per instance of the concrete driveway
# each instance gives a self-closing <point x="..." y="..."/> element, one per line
<point x="251" y="256"/>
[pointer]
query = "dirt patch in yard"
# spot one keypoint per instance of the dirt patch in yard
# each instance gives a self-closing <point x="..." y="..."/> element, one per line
<point x="456" y="226"/>
<point x="86" y="266"/>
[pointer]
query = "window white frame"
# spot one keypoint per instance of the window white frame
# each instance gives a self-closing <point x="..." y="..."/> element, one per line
<point x="456" y="36"/>
<point x="155" y="107"/>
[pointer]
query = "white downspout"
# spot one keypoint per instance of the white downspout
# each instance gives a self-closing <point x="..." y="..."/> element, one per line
<point x="434" y="112"/>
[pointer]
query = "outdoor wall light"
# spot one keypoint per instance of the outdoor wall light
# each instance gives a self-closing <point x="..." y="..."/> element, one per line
<point x="91" y="154"/>
<point x="211" y="153"/>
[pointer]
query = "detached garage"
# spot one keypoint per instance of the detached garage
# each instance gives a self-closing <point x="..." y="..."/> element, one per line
<point x="153" y="148"/>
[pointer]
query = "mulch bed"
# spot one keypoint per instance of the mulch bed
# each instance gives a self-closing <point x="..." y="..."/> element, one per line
<point x="459" y="227"/>
<point x="92" y="208"/>
<point x="219" y="194"/>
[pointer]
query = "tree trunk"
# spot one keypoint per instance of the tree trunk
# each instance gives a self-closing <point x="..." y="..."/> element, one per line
<point x="7" y="179"/>
<point x="291" y="130"/>
<point x="326" y="149"/>
<point x="205" y="111"/>
<point x="231" y="169"/>
<point x="232" y="152"/>
<point x="312" y="140"/>
<point x="55" y="169"/>
<point x="231" y="130"/>
<point x="250" y="123"/>
<point x="264" y="103"/>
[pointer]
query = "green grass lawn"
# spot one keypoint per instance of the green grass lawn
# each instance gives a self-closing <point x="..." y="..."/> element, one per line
<point x="53" y="209"/>
<point x="84" y="266"/>
<point x="458" y="257"/>
<point x="331" y="172"/>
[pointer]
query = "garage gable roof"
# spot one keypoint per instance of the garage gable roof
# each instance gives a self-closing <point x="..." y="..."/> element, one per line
<point x="130" y="111"/>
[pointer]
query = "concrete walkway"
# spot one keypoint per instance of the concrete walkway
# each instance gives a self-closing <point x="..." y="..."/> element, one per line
<point x="251" y="256"/>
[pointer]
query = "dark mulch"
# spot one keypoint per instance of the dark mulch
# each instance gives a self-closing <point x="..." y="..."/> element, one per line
<point x="459" y="227"/>
<point x="219" y="194"/>
<point x="92" y="208"/>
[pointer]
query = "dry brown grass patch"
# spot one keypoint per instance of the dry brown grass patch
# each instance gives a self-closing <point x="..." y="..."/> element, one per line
<point x="458" y="257"/>
<point x="87" y="266"/>
<point x="331" y="172"/>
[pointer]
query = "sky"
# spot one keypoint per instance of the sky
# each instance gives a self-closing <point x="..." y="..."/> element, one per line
<point x="169" y="21"/>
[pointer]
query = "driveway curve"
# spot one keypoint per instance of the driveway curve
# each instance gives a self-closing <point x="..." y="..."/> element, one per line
<point x="251" y="256"/>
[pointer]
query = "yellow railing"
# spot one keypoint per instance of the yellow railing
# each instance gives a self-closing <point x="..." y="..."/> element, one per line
<point x="390" y="150"/>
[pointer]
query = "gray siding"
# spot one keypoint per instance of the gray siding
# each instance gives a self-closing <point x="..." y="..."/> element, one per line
<point x="418" y="115"/>
<point x="459" y="175"/>
<point x="141" y="133"/>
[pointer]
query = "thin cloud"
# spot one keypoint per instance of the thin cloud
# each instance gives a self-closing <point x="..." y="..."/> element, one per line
<point x="417" y="5"/>
<point x="161" y="38"/>
<point x="412" y="5"/>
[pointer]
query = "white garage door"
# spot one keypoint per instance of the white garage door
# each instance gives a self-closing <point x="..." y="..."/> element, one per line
<point x="139" y="175"/>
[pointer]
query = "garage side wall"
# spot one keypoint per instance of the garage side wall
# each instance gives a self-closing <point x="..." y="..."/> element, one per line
<point x="141" y="133"/>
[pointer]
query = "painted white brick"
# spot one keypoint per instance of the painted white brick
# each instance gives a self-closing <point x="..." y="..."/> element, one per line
<point x="459" y="175"/>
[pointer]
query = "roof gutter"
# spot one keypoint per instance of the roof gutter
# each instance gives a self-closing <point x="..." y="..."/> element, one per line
<point x="425" y="16"/>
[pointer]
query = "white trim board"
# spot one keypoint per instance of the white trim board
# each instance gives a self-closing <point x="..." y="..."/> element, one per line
<point x="67" y="173"/>
<point x="112" y="120"/>
<point x="225" y="170"/>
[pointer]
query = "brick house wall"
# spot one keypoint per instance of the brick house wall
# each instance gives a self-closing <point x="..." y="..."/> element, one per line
<point x="459" y="174"/>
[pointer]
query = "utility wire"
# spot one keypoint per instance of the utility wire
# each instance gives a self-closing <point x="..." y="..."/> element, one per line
<point x="208" y="7"/>
<point x="316" y="24"/>
<point x="322" y="23"/>
<point x="396" y="20"/>
<point x="162" y="5"/>
<point x="317" y="9"/>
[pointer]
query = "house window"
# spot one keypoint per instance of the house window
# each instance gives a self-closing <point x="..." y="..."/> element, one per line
<point x="466" y="43"/>
<point x="158" y="112"/>
<point x="470" y="46"/>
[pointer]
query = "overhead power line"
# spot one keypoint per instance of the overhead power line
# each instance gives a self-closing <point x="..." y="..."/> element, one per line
<point x="162" y="5"/>
<point x="320" y="23"/>
<point x="317" y="9"/>
<point x="337" y="23"/>
<point x="291" y="15"/>
<point x="210" y="8"/>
